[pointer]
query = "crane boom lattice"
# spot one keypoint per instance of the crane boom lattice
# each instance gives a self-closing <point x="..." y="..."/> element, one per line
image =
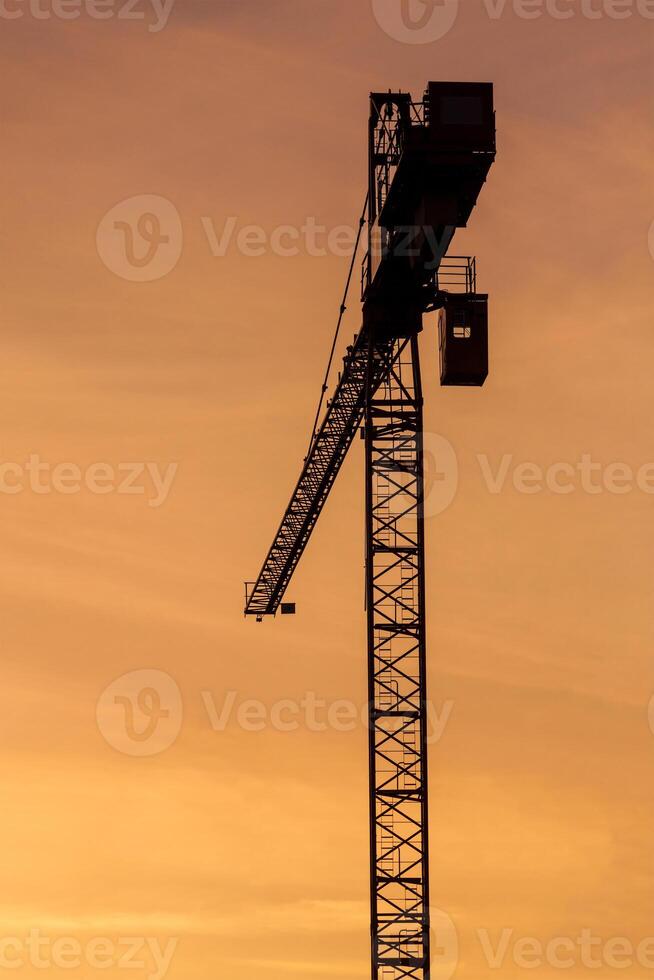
<point x="328" y="450"/>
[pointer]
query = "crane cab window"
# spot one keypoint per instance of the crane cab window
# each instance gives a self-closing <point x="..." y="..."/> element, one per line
<point x="461" y="327"/>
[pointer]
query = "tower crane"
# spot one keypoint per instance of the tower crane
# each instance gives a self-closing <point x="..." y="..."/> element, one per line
<point x="428" y="161"/>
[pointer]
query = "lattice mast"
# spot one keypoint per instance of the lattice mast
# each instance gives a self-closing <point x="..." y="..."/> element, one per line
<point x="395" y="594"/>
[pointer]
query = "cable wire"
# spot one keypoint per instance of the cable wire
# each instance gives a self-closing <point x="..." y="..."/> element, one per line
<point x="325" y="384"/>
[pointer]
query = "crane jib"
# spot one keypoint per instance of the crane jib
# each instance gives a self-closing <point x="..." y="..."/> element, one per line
<point x="363" y="371"/>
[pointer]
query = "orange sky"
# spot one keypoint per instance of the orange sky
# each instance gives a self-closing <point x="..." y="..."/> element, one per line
<point x="250" y="847"/>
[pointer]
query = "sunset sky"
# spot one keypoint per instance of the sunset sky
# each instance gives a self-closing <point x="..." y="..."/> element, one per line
<point x="246" y="844"/>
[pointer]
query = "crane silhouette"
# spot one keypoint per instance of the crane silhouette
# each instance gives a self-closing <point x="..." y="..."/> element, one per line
<point x="428" y="162"/>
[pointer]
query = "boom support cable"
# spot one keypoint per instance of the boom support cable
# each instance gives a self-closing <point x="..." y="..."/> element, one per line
<point x="343" y="308"/>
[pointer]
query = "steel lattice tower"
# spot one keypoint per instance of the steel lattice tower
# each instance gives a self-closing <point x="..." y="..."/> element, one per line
<point x="395" y="597"/>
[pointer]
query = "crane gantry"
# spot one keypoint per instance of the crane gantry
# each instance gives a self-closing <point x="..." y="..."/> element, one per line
<point x="427" y="164"/>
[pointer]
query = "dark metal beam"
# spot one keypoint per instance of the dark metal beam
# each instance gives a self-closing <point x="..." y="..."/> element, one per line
<point x="395" y="598"/>
<point x="321" y="467"/>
